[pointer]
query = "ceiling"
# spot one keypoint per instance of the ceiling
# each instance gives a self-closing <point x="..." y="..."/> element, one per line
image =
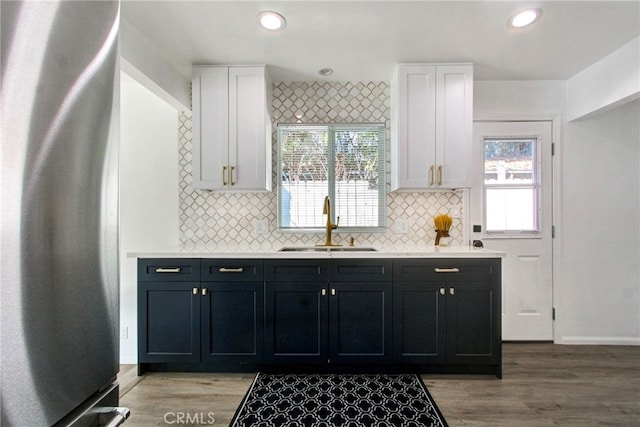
<point x="362" y="40"/>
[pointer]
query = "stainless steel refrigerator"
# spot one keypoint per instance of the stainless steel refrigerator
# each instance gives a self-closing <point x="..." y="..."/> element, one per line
<point x="59" y="247"/>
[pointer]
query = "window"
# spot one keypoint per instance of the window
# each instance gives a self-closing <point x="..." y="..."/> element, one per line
<point x="344" y="162"/>
<point x="511" y="186"/>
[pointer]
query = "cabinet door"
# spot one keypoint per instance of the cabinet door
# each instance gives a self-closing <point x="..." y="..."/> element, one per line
<point x="413" y="126"/>
<point x="296" y="322"/>
<point x="232" y="316"/>
<point x="249" y="129"/>
<point x="419" y="322"/>
<point x="473" y="323"/>
<point x="210" y="93"/>
<point x="454" y="120"/>
<point x="360" y="322"/>
<point x="168" y="322"/>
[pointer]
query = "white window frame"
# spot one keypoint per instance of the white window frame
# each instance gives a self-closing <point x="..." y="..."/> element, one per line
<point x="382" y="173"/>
<point x="536" y="186"/>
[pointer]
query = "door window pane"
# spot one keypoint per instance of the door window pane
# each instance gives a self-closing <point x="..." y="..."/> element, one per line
<point x="511" y="185"/>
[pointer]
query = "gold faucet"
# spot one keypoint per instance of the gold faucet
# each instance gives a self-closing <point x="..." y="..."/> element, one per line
<point x="326" y="209"/>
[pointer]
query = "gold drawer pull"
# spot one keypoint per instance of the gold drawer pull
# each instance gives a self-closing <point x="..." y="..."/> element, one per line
<point x="431" y="175"/>
<point x="231" y="270"/>
<point x="440" y="175"/>
<point x="447" y="270"/>
<point x="168" y="270"/>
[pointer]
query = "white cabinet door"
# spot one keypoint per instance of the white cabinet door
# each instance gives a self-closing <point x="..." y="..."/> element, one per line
<point x="413" y="126"/>
<point x="210" y="104"/>
<point x="431" y="122"/>
<point x="231" y="128"/>
<point x="249" y="130"/>
<point x="454" y="124"/>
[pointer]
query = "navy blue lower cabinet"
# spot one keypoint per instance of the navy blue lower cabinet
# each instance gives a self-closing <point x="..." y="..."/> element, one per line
<point x="168" y="322"/>
<point x="232" y="326"/>
<point x="447" y="314"/>
<point x="296" y="328"/>
<point x="360" y="322"/>
<point x="419" y="323"/>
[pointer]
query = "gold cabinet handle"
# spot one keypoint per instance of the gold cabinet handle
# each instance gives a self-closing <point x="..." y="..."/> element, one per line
<point x="204" y="291"/>
<point x="440" y="175"/>
<point x="195" y="291"/>
<point x="324" y="292"/>
<point x="231" y="175"/>
<point x="431" y="175"/>
<point x="452" y="291"/>
<point x="442" y="291"/>
<point x="231" y="270"/>
<point x="224" y="175"/>
<point x="447" y="270"/>
<point x="333" y="291"/>
<point x="168" y="270"/>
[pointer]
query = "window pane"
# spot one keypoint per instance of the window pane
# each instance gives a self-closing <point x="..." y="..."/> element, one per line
<point x="510" y="161"/>
<point x="303" y="176"/>
<point x="344" y="162"/>
<point x="356" y="181"/>
<point x="510" y="209"/>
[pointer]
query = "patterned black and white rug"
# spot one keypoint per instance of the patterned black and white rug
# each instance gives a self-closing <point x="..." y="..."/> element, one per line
<point x="328" y="400"/>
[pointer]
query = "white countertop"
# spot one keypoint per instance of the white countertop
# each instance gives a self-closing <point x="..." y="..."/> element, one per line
<point x="432" y="252"/>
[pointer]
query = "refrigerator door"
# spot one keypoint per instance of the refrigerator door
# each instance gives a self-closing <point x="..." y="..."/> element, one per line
<point x="59" y="207"/>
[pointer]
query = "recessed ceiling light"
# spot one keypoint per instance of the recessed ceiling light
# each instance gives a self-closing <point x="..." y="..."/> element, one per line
<point x="326" y="72"/>
<point x="271" y="21"/>
<point x="524" y="18"/>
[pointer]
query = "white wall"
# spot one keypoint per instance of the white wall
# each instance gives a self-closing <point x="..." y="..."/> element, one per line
<point x="599" y="291"/>
<point x="148" y="191"/>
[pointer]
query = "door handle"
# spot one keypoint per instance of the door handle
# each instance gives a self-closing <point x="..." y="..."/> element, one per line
<point x="447" y="270"/>
<point x="333" y="291"/>
<point x="440" y="175"/>
<point x="431" y="175"/>
<point x="168" y="270"/>
<point x="231" y="175"/>
<point x="231" y="270"/>
<point x="224" y="175"/>
<point x="452" y="291"/>
<point x="204" y="291"/>
<point x="195" y="291"/>
<point x="442" y="291"/>
<point x="324" y="292"/>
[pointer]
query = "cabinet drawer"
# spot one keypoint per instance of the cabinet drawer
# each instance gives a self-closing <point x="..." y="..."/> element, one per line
<point x="169" y="270"/>
<point x="294" y="270"/>
<point x="232" y="270"/>
<point x="359" y="270"/>
<point x="446" y="270"/>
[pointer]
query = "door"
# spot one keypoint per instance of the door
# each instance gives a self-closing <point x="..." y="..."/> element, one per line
<point x="472" y="336"/>
<point x="232" y="316"/>
<point x="419" y="322"/>
<point x="360" y="321"/>
<point x="512" y="201"/>
<point x="169" y="322"/>
<point x="296" y="322"/>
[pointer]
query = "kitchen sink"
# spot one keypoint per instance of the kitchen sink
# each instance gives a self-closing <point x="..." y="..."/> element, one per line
<point x="327" y="249"/>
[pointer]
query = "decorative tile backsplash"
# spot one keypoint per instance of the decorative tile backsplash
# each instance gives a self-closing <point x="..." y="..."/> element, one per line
<point x="220" y="221"/>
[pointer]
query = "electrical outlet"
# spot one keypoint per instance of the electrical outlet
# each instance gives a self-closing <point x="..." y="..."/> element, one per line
<point x="400" y="226"/>
<point x="124" y="333"/>
<point x="261" y="226"/>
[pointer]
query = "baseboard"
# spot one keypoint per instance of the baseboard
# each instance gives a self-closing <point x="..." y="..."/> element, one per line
<point x="585" y="340"/>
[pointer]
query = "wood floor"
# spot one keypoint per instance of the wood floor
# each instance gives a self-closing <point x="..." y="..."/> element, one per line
<point x="542" y="385"/>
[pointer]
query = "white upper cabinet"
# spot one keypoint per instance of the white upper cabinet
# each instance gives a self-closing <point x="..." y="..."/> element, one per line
<point x="431" y="126"/>
<point x="231" y="128"/>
